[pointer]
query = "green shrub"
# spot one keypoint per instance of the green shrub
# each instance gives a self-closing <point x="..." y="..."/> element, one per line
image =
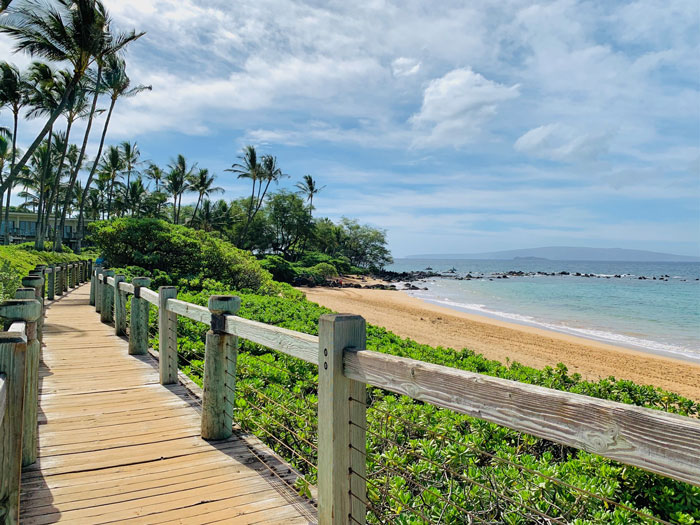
<point x="182" y="252"/>
<point x="324" y="270"/>
<point x="281" y="269"/>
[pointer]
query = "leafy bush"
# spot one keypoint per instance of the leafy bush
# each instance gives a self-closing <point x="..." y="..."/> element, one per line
<point x="16" y="261"/>
<point x="182" y="252"/>
<point x="281" y="269"/>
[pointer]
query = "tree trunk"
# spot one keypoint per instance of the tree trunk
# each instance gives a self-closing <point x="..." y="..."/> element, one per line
<point x="83" y="200"/>
<point x="12" y="168"/>
<point x="39" y="225"/>
<point x="49" y="124"/>
<point x="79" y="165"/>
<point x="57" y="184"/>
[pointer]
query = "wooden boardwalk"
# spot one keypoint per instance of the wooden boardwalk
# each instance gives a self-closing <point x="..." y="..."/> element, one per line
<point x="117" y="447"/>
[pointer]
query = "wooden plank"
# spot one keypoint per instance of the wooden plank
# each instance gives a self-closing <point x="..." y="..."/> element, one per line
<point x="295" y="344"/>
<point x="189" y="310"/>
<point x="150" y="296"/>
<point x="653" y="440"/>
<point x="126" y="287"/>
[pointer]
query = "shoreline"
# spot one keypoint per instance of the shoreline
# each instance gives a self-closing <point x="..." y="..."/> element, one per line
<point x="437" y="325"/>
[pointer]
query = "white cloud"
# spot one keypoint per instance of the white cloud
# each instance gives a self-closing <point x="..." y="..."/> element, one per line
<point x="457" y="105"/>
<point x="405" y="67"/>
<point x="563" y="143"/>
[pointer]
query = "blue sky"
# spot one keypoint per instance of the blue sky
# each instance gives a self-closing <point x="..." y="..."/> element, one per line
<point x="456" y="126"/>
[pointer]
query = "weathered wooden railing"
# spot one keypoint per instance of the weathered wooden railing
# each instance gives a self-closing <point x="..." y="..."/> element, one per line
<point x="20" y="347"/>
<point x="653" y="440"/>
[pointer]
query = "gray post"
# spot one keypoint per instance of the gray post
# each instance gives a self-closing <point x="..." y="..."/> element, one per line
<point x="98" y="289"/>
<point x="106" y="313"/>
<point x="93" y="284"/>
<point x="51" y="286"/>
<point x="64" y="278"/>
<point x="29" y="311"/>
<point x="167" y="336"/>
<point x="138" y="331"/>
<point x="119" y="307"/>
<point x="219" y="370"/>
<point x="36" y="282"/>
<point x="341" y="468"/>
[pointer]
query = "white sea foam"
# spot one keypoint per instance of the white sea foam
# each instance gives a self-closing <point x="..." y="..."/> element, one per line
<point x="588" y="333"/>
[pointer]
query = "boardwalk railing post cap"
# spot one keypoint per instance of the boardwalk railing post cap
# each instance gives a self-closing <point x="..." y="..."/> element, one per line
<point x="339" y="318"/>
<point x="167" y="288"/>
<point x="32" y="281"/>
<point x="21" y="309"/>
<point x="25" y="293"/>
<point x="224" y="304"/>
<point x="141" y="281"/>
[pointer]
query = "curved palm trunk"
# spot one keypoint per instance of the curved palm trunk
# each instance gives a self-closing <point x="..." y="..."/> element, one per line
<point x="57" y="184"/>
<point x="39" y="241"/>
<point x="83" y="200"/>
<point x="12" y="169"/>
<point x="244" y="233"/>
<point x="194" y="214"/>
<point x="49" y="124"/>
<point x="79" y="165"/>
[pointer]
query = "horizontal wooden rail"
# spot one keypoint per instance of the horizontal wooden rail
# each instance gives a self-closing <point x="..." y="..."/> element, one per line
<point x="656" y="441"/>
<point x="126" y="287"/>
<point x="296" y="344"/>
<point x="19" y="327"/>
<point x="149" y="295"/>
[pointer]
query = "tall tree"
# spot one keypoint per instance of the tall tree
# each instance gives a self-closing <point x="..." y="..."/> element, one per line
<point x="111" y="167"/>
<point x="178" y="183"/>
<point x="131" y="156"/>
<point x="74" y="31"/>
<point x="12" y="94"/>
<point x="309" y="189"/>
<point x="203" y="184"/>
<point x="248" y="168"/>
<point x="117" y="85"/>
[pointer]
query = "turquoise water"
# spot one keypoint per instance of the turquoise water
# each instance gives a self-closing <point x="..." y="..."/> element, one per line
<point x="660" y="316"/>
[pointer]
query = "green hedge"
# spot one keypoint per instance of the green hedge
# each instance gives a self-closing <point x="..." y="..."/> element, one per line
<point x="17" y="260"/>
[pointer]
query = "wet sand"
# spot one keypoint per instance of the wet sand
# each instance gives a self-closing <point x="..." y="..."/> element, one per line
<point x="500" y="340"/>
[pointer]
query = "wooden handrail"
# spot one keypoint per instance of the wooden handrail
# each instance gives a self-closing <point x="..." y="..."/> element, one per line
<point x="656" y="441"/>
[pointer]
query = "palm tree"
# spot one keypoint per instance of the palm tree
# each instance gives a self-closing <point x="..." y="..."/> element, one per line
<point x="249" y="168"/>
<point x="134" y="195"/>
<point x="131" y="155"/>
<point x="12" y="94"/>
<point x="308" y="188"/>
<point x="43" y="97"/>
<point x="213" y="216"/>
<point x="178" y="183"/>
<point x="77" y="32"/>
<point x="111" y="167"/>
<point x="117" y="85"/>
<point x="203" y="184"/>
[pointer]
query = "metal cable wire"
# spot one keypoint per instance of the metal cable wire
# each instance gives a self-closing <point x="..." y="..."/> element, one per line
<point x="558" y="481"/>
<point x="260" y="409"/>
<point x="297" y="454"/>
<point x="273" y="401"/>
<point x="457" y="474"/>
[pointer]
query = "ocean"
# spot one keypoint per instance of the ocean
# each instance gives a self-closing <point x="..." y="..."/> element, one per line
<point x="661" y="316"/>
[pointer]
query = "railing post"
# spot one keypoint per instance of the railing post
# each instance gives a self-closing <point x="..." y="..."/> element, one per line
<point x="13" y="354"/>
<point x="51" y="286"/>
<point x="64" y="277"/>
<point x="219" y="370"/>
<point x="167" y="336"/>
<point x="36" y="282"/>
<point x="93" y="284"/>
<point x="106" y="313"/>
<point x="138" y="331"/>
<point x="59" y="279"/>
<point x="98" y="289"/>
<point x="341" y="446"/>
<point x="41" y="269"/>
<point x="88" y="269"/>
<point x="119" y="307"/>
<point x="29" y="311"/>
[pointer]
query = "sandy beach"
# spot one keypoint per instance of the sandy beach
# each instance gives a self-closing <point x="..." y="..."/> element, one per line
<point x="437" y="325"/>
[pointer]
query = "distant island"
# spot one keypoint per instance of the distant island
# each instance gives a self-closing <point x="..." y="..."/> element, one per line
<point x="567" y="253"/>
